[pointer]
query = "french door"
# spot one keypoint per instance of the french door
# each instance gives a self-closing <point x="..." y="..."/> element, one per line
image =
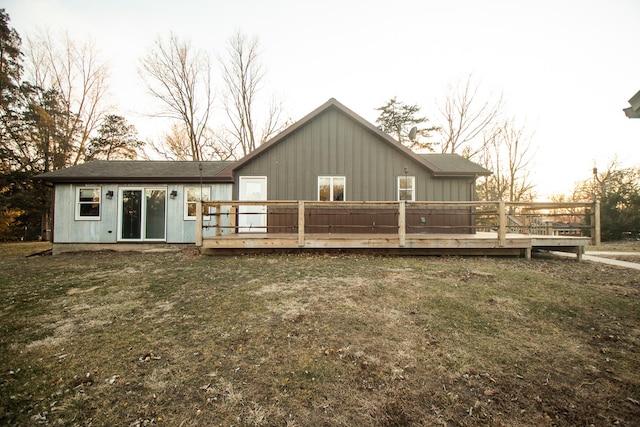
<point x="143" y="214"/>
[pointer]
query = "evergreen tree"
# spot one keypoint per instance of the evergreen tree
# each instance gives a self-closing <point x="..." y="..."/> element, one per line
<point x="14" y="177"/>
<point x="397" y="119"/>
<point x="116" y="140"/>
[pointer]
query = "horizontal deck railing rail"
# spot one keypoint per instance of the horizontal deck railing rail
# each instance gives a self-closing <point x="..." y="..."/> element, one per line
<point x="401" y="218"/>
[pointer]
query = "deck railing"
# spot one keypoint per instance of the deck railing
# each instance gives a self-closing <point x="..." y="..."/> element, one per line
<point x="219" y="218"/>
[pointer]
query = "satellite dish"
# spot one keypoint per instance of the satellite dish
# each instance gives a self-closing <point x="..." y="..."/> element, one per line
<point x="412" y="133"/>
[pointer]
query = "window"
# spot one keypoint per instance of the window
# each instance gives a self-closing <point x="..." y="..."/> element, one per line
<point x="192" y="197"/>
<point x="88" y="203"/>
<point x="407" y="188"/>
<point x="331" y="188"/>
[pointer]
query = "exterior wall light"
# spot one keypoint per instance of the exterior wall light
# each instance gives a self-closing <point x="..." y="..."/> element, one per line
<point x="109" y="194"/>
<point x="173" y="194"/>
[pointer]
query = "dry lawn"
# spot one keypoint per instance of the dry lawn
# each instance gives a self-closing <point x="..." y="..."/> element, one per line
<point x="180" y="339"/>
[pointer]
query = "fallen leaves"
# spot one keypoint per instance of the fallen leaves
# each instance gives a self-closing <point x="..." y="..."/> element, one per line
<point x="148" y="357"/>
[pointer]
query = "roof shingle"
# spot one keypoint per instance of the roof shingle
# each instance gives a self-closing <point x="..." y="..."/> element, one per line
<point x="140" y="171"/>
<point x="453" y="164"/>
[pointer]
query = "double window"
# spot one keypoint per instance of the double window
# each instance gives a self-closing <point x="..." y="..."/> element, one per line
<point x="331" y="188"/>
<point x="407" y="188"/>
<point x="88" y="203"/>
<point x="192" y="197"/>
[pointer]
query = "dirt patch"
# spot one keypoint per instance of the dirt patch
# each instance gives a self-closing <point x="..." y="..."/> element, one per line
<point x="75" y="291"/>
<point x="61" y="333"/>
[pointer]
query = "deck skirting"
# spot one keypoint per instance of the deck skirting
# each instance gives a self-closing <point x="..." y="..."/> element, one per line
<point x="430" y="244"/>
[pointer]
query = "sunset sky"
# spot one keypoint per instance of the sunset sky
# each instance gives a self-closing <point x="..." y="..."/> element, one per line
<point x="565" y="68"/>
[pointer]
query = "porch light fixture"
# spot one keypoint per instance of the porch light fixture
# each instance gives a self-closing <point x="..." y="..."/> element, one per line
<point x="109" y="194"/>
<point x="173" y="194"/>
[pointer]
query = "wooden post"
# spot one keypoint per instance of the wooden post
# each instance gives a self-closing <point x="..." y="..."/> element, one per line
<point x="199" y="224"/>
<point x="300" y="223"/>
<point x="232" y="218"/>
<point x="595" y="229"/>
<point x="526" y="221"/>
<point x="502" y="224"/>
<point x="402" y="223"/>
<point x="217" y="212"/>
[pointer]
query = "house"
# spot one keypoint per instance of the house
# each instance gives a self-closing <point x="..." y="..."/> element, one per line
<point x="101" y="203"/>
<point x="332" y="154"/>
<point x="633" y="112"/>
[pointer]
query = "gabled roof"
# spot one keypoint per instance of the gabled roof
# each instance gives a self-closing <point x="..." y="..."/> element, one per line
<point x="150" y="171"/>
<point x="450" y="165"/>
<point x="144" y="171"/>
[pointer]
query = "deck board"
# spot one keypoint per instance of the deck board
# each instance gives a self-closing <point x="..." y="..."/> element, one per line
<point x="463" y="244"/>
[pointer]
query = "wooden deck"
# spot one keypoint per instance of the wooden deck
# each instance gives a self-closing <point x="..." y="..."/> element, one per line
<point x="498" y="241"/>
<point x="424" y="244"/>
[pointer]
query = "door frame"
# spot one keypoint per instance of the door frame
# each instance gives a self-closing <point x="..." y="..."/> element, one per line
<point x="252" y="216"/>
<point x="143" y="214"/>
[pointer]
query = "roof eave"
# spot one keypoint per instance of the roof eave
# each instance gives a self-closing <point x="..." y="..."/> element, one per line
<point x="461" y="174"/>
<point x="135" y="180"/>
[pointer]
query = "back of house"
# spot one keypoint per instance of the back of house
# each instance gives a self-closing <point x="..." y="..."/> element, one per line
<point x="332" y="155"/>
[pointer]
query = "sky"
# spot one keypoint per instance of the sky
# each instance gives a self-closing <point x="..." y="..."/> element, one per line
<point x="565" y="68"/>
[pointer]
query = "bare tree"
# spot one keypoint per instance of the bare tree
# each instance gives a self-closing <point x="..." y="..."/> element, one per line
<point x="179" y="77"/>
<point x="465" y="117"/>
<point x="78" y="77"/>
<point x="274" y="121"/>
<point x="506" y="152"/>
<point x="618" y="190"/>
<point x="599" y="184"/>
<point x="174" y="145"/>
<point x="243" y="73"/>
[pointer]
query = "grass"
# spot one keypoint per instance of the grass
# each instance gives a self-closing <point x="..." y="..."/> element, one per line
<point x="22" y="248"/>
<point x="617" y="246"/>
<point x="181" y="339"/>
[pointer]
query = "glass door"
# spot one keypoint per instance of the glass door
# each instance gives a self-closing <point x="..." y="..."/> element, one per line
<point x="143" y="214"/>
<point x="155" y="214"/>
<point x="252" y="218"/>
<point x="131" y="215"/>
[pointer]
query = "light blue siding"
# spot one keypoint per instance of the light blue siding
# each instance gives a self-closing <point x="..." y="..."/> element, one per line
<point x="67" y="229"/>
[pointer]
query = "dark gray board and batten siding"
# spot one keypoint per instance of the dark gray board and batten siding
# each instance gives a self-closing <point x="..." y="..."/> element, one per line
<point x="334" y="144"/>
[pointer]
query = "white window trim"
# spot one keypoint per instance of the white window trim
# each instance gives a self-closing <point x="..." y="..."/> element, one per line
<point x="185" y="202"/>
<point x="413" y="187"/>
<point x="77" y="204"/>
<point x="331" y="178"/>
